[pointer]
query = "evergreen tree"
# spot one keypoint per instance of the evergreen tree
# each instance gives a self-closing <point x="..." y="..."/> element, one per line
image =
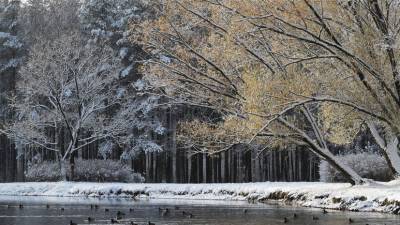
<point x="11" y="51"/>
<point x="107" y="22"/>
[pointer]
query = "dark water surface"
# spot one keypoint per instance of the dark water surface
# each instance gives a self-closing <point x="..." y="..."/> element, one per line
<point x="35" y="212"/>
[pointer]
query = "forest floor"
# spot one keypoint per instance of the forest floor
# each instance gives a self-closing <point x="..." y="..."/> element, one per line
<point x="379" y="197"/>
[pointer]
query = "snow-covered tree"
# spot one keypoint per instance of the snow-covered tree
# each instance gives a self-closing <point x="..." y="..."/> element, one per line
<point x="106" y="22"/>
<point x="47" y="19"/>
<point x="68" y="85"/>
<point x="11" y="51"/>
<point x="286" y="72"/>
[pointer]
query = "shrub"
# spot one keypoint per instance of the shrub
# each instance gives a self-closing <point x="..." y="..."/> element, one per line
<point x="43" y="171"/>
<point x="85" y="170"/>
<point x="367" y="165"/>
<point x="105" y="171"/>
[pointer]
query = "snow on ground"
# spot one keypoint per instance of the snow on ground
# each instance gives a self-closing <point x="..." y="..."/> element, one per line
<point x="380" y="197"/>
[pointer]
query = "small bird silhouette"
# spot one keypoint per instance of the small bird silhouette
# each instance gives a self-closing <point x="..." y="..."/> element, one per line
<point x="315" y="218"/>
<point x="106" y="210"/>
<point x="351" y="220"/>
<point x="244" y="211"/>
<point x="150" y="223"/>
<point x="131" y="210"/>
<point x="114" y="221"/>
<point x="62" y="209"/>
<point x="295" y="215"/>
<point x="72" y="223"/>
<point x="285" y="220"/>
<point x="21" y="206"/>
<point x="90" y="219"/>
<point x="48" y="206"/>
<point x="324" y="211"/>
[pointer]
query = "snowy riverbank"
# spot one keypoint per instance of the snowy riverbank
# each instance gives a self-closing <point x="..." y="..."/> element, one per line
<point x="380" y="197"/>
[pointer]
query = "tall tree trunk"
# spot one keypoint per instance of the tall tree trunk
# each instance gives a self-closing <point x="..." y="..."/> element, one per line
<point x="204" y="168"/>
<point x="223" y="175"/>
<point x="20" y="161"/>
<point x="189" y="159"/>
<point x="173" y="149"/>
<point x="63" y="168"/>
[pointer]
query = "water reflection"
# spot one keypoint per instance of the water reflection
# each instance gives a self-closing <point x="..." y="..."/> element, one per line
<point x="59" y="211"/>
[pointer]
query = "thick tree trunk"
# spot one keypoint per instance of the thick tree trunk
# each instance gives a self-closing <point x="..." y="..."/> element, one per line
<point x="63" y="169"/>
<point x="346" y="171"/>
<point x="389" y="150"/>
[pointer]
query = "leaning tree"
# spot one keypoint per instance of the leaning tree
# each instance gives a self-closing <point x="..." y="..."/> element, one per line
<point x="304" y="72"/>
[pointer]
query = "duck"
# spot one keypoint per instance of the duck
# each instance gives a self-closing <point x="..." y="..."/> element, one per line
<point x="165" y="212"/>
<point x="119" y="213"/>
<point x="114" y="221"/>
<point x="90" y="219"/>
<point x="324" y="211"/>
<point x="285" y="220"/>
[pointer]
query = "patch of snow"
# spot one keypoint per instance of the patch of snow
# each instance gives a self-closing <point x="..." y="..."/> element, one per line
<point x="126" y="71"/>
<point x="380" y="197"/>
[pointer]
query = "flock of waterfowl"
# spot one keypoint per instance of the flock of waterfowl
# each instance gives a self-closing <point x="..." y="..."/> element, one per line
<point x="119" y="216"/>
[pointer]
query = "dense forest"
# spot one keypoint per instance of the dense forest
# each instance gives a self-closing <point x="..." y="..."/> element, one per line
<point x="189" y="91"/>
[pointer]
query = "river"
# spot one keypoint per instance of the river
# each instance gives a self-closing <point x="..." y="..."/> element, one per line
<point x="60" y="211"/>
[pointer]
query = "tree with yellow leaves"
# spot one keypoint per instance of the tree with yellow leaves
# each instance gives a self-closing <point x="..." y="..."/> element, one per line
<point x="303" y="72"/>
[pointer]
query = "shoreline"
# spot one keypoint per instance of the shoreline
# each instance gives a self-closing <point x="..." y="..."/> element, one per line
<point x="374" y="197"/>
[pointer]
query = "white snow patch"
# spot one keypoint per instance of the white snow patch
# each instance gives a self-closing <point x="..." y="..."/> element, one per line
<point x="380" y="197"/>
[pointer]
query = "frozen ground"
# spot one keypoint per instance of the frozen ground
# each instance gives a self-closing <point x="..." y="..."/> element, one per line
<point x="381" y="197"/>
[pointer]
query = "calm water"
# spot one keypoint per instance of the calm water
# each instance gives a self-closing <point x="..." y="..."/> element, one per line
<point x="35" y="212"/>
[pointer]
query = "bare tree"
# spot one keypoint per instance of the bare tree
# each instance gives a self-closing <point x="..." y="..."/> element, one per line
<point x="65" y="85"/>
